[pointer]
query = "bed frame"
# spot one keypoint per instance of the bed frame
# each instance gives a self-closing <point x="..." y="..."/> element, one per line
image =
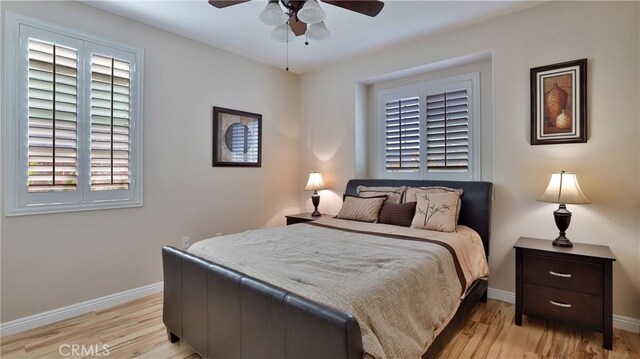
<point x="222" y="313"/>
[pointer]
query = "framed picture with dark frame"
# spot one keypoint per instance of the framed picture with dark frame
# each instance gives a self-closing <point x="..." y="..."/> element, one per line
<point x="237" y="138"/>
<point x="559" y="103"/>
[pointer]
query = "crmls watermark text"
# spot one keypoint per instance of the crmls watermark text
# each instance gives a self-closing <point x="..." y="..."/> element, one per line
<point x="81" y="350"/>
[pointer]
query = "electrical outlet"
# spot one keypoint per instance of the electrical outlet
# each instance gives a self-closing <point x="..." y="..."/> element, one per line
<point x="185" y="242"/>
<point x="218" y="234"/>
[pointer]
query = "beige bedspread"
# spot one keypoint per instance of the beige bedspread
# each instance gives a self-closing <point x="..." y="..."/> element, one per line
<point x="401" y="284"/>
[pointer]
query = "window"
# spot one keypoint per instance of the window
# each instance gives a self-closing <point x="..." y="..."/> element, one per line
<point x="52" y="136"/>
<point x="430" y="130"/>
<point x="447" y="114"/>
<point x="402" y="136"/>
<point x="73" y="120"/>
<point x="110" y="126"/>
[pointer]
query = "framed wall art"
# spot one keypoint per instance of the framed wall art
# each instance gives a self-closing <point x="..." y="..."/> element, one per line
<point x="559" y="103"/>
<point x="237" y="138"/>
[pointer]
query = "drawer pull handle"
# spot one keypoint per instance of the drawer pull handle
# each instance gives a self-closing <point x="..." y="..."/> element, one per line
<point x="558" y="304"/>
<point x="563" y="275"/>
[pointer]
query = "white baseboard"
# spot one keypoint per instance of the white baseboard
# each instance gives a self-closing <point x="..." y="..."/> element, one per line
<point x="74" y="310"/>
<point x="502" y="295"/>
<point x="619" y="321"/>
<point x="626" y="323"/>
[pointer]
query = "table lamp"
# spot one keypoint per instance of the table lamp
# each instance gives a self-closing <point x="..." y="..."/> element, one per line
<point x="314" y="184"/>
<point x="563" y="189"/>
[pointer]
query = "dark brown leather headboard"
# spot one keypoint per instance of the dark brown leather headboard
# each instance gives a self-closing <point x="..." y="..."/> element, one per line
<point x="476" y="200"/>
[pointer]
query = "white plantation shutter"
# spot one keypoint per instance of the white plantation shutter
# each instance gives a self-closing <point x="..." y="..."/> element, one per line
<point x="52" y="117"/>
<point x="73" y="136"/>
<point x="447" y="116"/>
<point x="110" y="123"/>
<point x="402" y="135"/>
<point x="430" y="130"/>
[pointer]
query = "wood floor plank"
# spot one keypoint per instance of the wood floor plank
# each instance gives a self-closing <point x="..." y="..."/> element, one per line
<point x="135" y="330"/>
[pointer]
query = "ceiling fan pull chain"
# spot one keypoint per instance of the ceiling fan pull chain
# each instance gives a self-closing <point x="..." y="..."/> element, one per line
<point x="306" y="38"/>
<point x="287" y="52"/>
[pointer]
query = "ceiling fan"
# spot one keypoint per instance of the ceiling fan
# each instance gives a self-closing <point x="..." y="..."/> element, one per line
<point x="298" y="13"/>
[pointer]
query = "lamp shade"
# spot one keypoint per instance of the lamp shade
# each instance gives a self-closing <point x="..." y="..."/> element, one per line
<point x="315" y="182"/>
<point x="283" y="33"/>
<point x="311" y="13"/>
<point x="564" y="189"/>
<point x="273" y="15"/>
<point x="318" y="32"/>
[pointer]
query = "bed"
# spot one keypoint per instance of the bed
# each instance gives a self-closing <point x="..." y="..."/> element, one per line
<point x="222" y="311"/>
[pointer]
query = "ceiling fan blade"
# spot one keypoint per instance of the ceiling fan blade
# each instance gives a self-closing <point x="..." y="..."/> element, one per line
<point x="366" y="7"/>
<point x="298" y="27"/>
<point x="224" y="3"/>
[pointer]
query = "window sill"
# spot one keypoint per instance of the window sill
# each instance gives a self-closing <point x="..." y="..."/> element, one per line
<point x="70" y="207"/>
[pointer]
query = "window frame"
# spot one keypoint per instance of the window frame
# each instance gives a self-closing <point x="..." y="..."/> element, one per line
<point x="18" y="201"/>
<point x="422" y="90"/>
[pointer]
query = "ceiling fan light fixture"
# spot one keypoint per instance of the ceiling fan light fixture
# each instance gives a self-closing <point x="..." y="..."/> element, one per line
<point x="311" y="12"/>
<point x="318" y="32"/>
<point x="283" y="33"/>
<point x="273" y="15"/>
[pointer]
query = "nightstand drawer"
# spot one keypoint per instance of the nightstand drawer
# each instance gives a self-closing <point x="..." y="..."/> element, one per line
<point x="564" y="274"/>
<point x="562" y="304"/>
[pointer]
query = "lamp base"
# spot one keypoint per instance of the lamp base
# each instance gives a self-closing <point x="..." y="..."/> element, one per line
<point x="562" y="217"/>
<point x="562" y="242"/>
<point x="315" y="199"/>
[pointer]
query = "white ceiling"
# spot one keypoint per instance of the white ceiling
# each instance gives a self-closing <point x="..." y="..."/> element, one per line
<point x="237" y="28"/>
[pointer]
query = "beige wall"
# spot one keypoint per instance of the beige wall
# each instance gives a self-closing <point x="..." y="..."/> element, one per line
<point x="608" y="34"/>
<point x="50" y="261"/>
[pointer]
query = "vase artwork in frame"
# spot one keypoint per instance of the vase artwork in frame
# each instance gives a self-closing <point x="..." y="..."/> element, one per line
<point x="559" y="103"/>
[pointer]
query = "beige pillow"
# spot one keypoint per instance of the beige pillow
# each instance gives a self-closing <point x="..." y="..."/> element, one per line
<point x="411" y="193"/>
<point x="436" y="211"/>
<point x="394" y="194"/>
<point x="364" y="209"/>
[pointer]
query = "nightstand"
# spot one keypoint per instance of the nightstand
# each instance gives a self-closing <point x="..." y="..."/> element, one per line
<point x="570" y="285"/>
<point x="304" y="217"/>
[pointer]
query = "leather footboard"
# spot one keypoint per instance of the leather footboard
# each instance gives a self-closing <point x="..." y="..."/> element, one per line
<point x="222" y="313"/>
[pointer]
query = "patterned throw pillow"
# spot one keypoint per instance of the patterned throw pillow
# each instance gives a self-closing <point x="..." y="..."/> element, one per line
<point x="399" y="214"/>
<point x="436" y="211"/>
<point x="364" y="209"/>
<point x="411" y="194"/>
<point x="394" y="194"/>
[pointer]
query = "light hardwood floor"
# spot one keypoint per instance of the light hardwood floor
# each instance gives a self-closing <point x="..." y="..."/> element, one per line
<point x="135" y="329"/>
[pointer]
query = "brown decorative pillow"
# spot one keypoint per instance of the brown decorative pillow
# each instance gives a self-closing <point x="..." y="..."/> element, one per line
<point x="364" y="209"/>
<point x="436" y="211"/>
<point x="394" y="194"/>
<point x="411" y="193"/>
<point x="399" y="214"/>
